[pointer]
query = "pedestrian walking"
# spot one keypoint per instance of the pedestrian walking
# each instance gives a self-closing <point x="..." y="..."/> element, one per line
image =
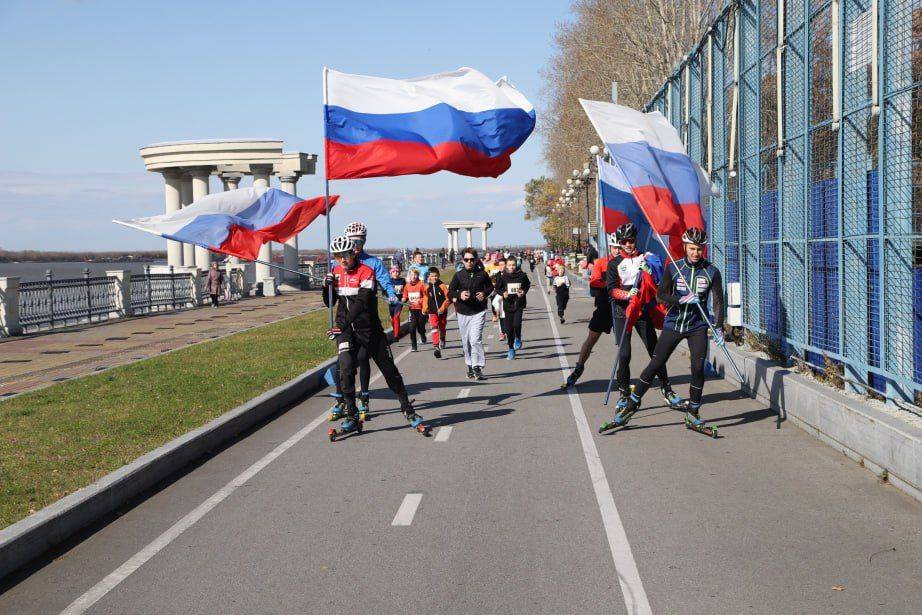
<point x="468" y="291"/>
<point x="561" y="291"/>
<point x="396" y="309"/>
<point x="512" y="285"/>
<point x="414" y="293"/>
<point x="214" y="283"/>
<point x="436" y="308"/>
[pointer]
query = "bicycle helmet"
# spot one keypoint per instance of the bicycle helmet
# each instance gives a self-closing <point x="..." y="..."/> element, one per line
<point x="626" y="231"/>
<point x="342" y="245"/>
<point x="355" y="229"/>
<point x="695" y="235"/>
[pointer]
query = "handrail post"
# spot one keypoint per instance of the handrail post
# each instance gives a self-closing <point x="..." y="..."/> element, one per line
<point x="88" y="294"/>
<point x="172" y="287"/>
<point x="49" y="280"/>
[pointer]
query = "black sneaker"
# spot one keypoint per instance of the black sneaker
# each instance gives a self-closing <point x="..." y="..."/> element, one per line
<point x="478" y="374"/>
<point x="438" y="353"/>
<point x="413" y="348"/>
<point x="442" y="344"/>
<point x="470" y="373"/>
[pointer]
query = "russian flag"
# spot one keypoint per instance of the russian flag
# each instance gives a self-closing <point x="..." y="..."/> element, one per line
<point x="667" y="185"/>
<point x="236" y="222"/>
<point x="619" y="207"/>
<point x="458" y="121"/>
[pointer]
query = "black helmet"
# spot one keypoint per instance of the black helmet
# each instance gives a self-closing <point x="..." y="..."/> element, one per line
<point x="695" y="235"/>
<point x="626" y="231"/>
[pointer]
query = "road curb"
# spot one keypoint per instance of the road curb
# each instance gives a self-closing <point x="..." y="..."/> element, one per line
<point x="27" y="539"/>
<point x="877" y="441"/>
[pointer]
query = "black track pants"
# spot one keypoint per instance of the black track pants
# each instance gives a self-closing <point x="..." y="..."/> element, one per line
<point x="379" y="351"/>
<point x="512" y="326"/>
<point x="668" y="340"/>
<point x="417" y="326"/>
<point x="647" y="332"/>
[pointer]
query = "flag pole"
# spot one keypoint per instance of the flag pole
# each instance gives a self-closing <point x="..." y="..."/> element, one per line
<point x="326" y="194"/>
<point x="614" y="369"/>
<point x="739" y="374"/>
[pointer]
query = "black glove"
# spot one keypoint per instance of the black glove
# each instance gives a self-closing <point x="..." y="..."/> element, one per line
<point x="328" y="280"/>
<point x="334" y="333"/>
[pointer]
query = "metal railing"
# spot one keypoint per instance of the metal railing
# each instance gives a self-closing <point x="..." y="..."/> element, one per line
<point x="153" y="292"/>
<point x="808" y="117"/>
<point x="53" y="303"/>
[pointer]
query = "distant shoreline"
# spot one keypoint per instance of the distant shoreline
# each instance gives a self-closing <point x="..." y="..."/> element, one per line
<point x="36" y="256"/>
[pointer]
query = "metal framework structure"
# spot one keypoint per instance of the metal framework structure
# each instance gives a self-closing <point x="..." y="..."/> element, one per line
<point x="808" y="116"/>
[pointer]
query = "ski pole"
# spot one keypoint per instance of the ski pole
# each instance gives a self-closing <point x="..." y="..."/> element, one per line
<point x="614" y="369"/>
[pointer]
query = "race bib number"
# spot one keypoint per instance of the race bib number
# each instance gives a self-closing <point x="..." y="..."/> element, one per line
<point x="514" y="287"/>
<point x="413" y="296"/>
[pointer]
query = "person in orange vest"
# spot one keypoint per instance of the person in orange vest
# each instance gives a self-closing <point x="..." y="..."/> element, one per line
<point x="414" y="293"/>
<point x="436" y="308"/>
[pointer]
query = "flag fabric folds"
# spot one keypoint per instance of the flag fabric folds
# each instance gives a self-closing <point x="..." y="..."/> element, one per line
<point x="668" y="186"/>
<point x="458" y="121"/>
<point x="647" y="296"/>
<point x="619" y="207"/>
<point x="236" y="222"/>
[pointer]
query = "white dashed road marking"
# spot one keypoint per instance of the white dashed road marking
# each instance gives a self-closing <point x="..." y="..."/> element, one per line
<point x="407" y="509"/>
<point x="442" y="435"/>
<point x="463" y="393"/>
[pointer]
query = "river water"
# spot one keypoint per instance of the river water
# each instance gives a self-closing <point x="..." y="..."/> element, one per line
<point x="28" y="272"/>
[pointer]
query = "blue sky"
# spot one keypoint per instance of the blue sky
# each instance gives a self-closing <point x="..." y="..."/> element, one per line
<point x="86" y="83"/>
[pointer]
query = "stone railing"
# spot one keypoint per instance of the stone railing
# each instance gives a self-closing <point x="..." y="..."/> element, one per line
<point x="27" y="307"/>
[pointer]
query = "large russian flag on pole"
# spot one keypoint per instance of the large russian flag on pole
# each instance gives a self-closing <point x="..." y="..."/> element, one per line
<point x="667" y="185"/>
<point x="619" y="207"/>
<point x="459" y="121"/>
<point x="236" y="222"/>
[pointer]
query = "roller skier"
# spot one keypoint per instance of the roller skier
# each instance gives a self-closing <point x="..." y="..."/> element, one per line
<point x="685" y="288"/>
<point x="357" y="328"/>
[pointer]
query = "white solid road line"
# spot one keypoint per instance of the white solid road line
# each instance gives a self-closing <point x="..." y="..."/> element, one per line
<point x="442" y="435"/>
<point x="407" y="509"/>
<point x="635" y="598"/>
<point x="463" y="393"/>
<point x="95" y="593"/>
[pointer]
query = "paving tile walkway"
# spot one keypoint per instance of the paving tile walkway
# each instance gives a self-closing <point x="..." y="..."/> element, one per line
<point x="35" y="361"/>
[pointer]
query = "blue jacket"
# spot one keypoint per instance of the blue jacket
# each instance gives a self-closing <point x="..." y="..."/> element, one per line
<point x="704" y="279"/>
<point x="381" y="274"/>
<point x="423" y="270"/>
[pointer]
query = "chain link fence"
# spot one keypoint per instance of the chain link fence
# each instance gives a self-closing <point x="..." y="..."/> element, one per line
<point x="808" y="117"/>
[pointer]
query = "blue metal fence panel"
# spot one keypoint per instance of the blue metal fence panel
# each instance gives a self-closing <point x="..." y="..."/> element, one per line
<point x="822" y="224"/>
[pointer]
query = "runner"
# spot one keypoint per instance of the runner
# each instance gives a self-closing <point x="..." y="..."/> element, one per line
<point x="512" y="285"/>
<point x="436" y="308"/>
<point x="561" y="291"/>
<point x="601" y="321"/>
<point x="358" y="326"/>
<point x="549" y="273"/>
<point x="622" y="281"/>
<point x="396" y="309"/>
<point x="685" y="287"/>
<point x="419" y="266"/>
<point x="414" y="294"/>
<point x="468" y="292"/>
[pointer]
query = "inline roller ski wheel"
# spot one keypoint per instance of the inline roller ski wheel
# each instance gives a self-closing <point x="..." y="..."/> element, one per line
<point x="621" y="419"/>
<point x="417" y="423"/>
<point x="672" y="399"/>
<point x="696" y="424"/>
<point x="345" y="429"/>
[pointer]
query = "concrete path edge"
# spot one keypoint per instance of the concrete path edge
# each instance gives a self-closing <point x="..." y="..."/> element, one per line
<point x="881" y="443"/>
<point x="29" y="538"/>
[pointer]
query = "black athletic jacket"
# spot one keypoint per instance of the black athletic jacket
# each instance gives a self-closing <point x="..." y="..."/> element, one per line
<point x="476" y="280"/>
<point x="513" y="302"/>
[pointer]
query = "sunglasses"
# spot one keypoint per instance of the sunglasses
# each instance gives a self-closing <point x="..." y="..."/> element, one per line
<point x="469" y="260"/>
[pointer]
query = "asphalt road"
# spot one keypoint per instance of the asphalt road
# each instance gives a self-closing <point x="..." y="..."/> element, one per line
<point x="515" y="505"/>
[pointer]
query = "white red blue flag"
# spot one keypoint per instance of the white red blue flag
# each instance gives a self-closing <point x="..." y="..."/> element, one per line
<point x="236" y="222"/>
<point x="459" y="121"/>
<point x="667" y="185"/>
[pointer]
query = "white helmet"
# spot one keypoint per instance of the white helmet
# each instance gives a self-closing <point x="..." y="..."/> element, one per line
<point x="342" y="245"/>
<point x="355" y="229"/>
<point x="612" y="240"/>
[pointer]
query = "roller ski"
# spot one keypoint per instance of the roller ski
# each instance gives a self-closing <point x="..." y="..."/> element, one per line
<point x="694" y="422"/>
<point x="627" y="407"/>
<point x="338" y="410"/>
<point x="352" y="424"/>
<point x="416" y="421"/>
<point x="364" y="407"/>
<point x="573" y="377"/>
<point x="672" y="399"/>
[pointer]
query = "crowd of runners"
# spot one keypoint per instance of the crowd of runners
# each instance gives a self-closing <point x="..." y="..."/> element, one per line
<point x="676" y="297"/>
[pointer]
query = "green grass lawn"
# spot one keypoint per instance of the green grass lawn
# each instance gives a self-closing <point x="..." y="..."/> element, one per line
<point x="62" y="438"/>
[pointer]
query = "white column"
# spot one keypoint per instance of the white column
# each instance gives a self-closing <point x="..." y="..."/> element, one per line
<point x="9" y="306"/>
<point x="483" y="238"/>
<point x="289" y="184"/>
<point x="171" y="193"/>
<point x="261" y="179"/>
<point x="231" y="181"/>
<point x="449" y="240"/>
<point x="200" y="190"/>
<point x="470" y="237"/>
<point x="455" y="242"/>
<point x="122" y="291"/>
<point x="185" y="196"/>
